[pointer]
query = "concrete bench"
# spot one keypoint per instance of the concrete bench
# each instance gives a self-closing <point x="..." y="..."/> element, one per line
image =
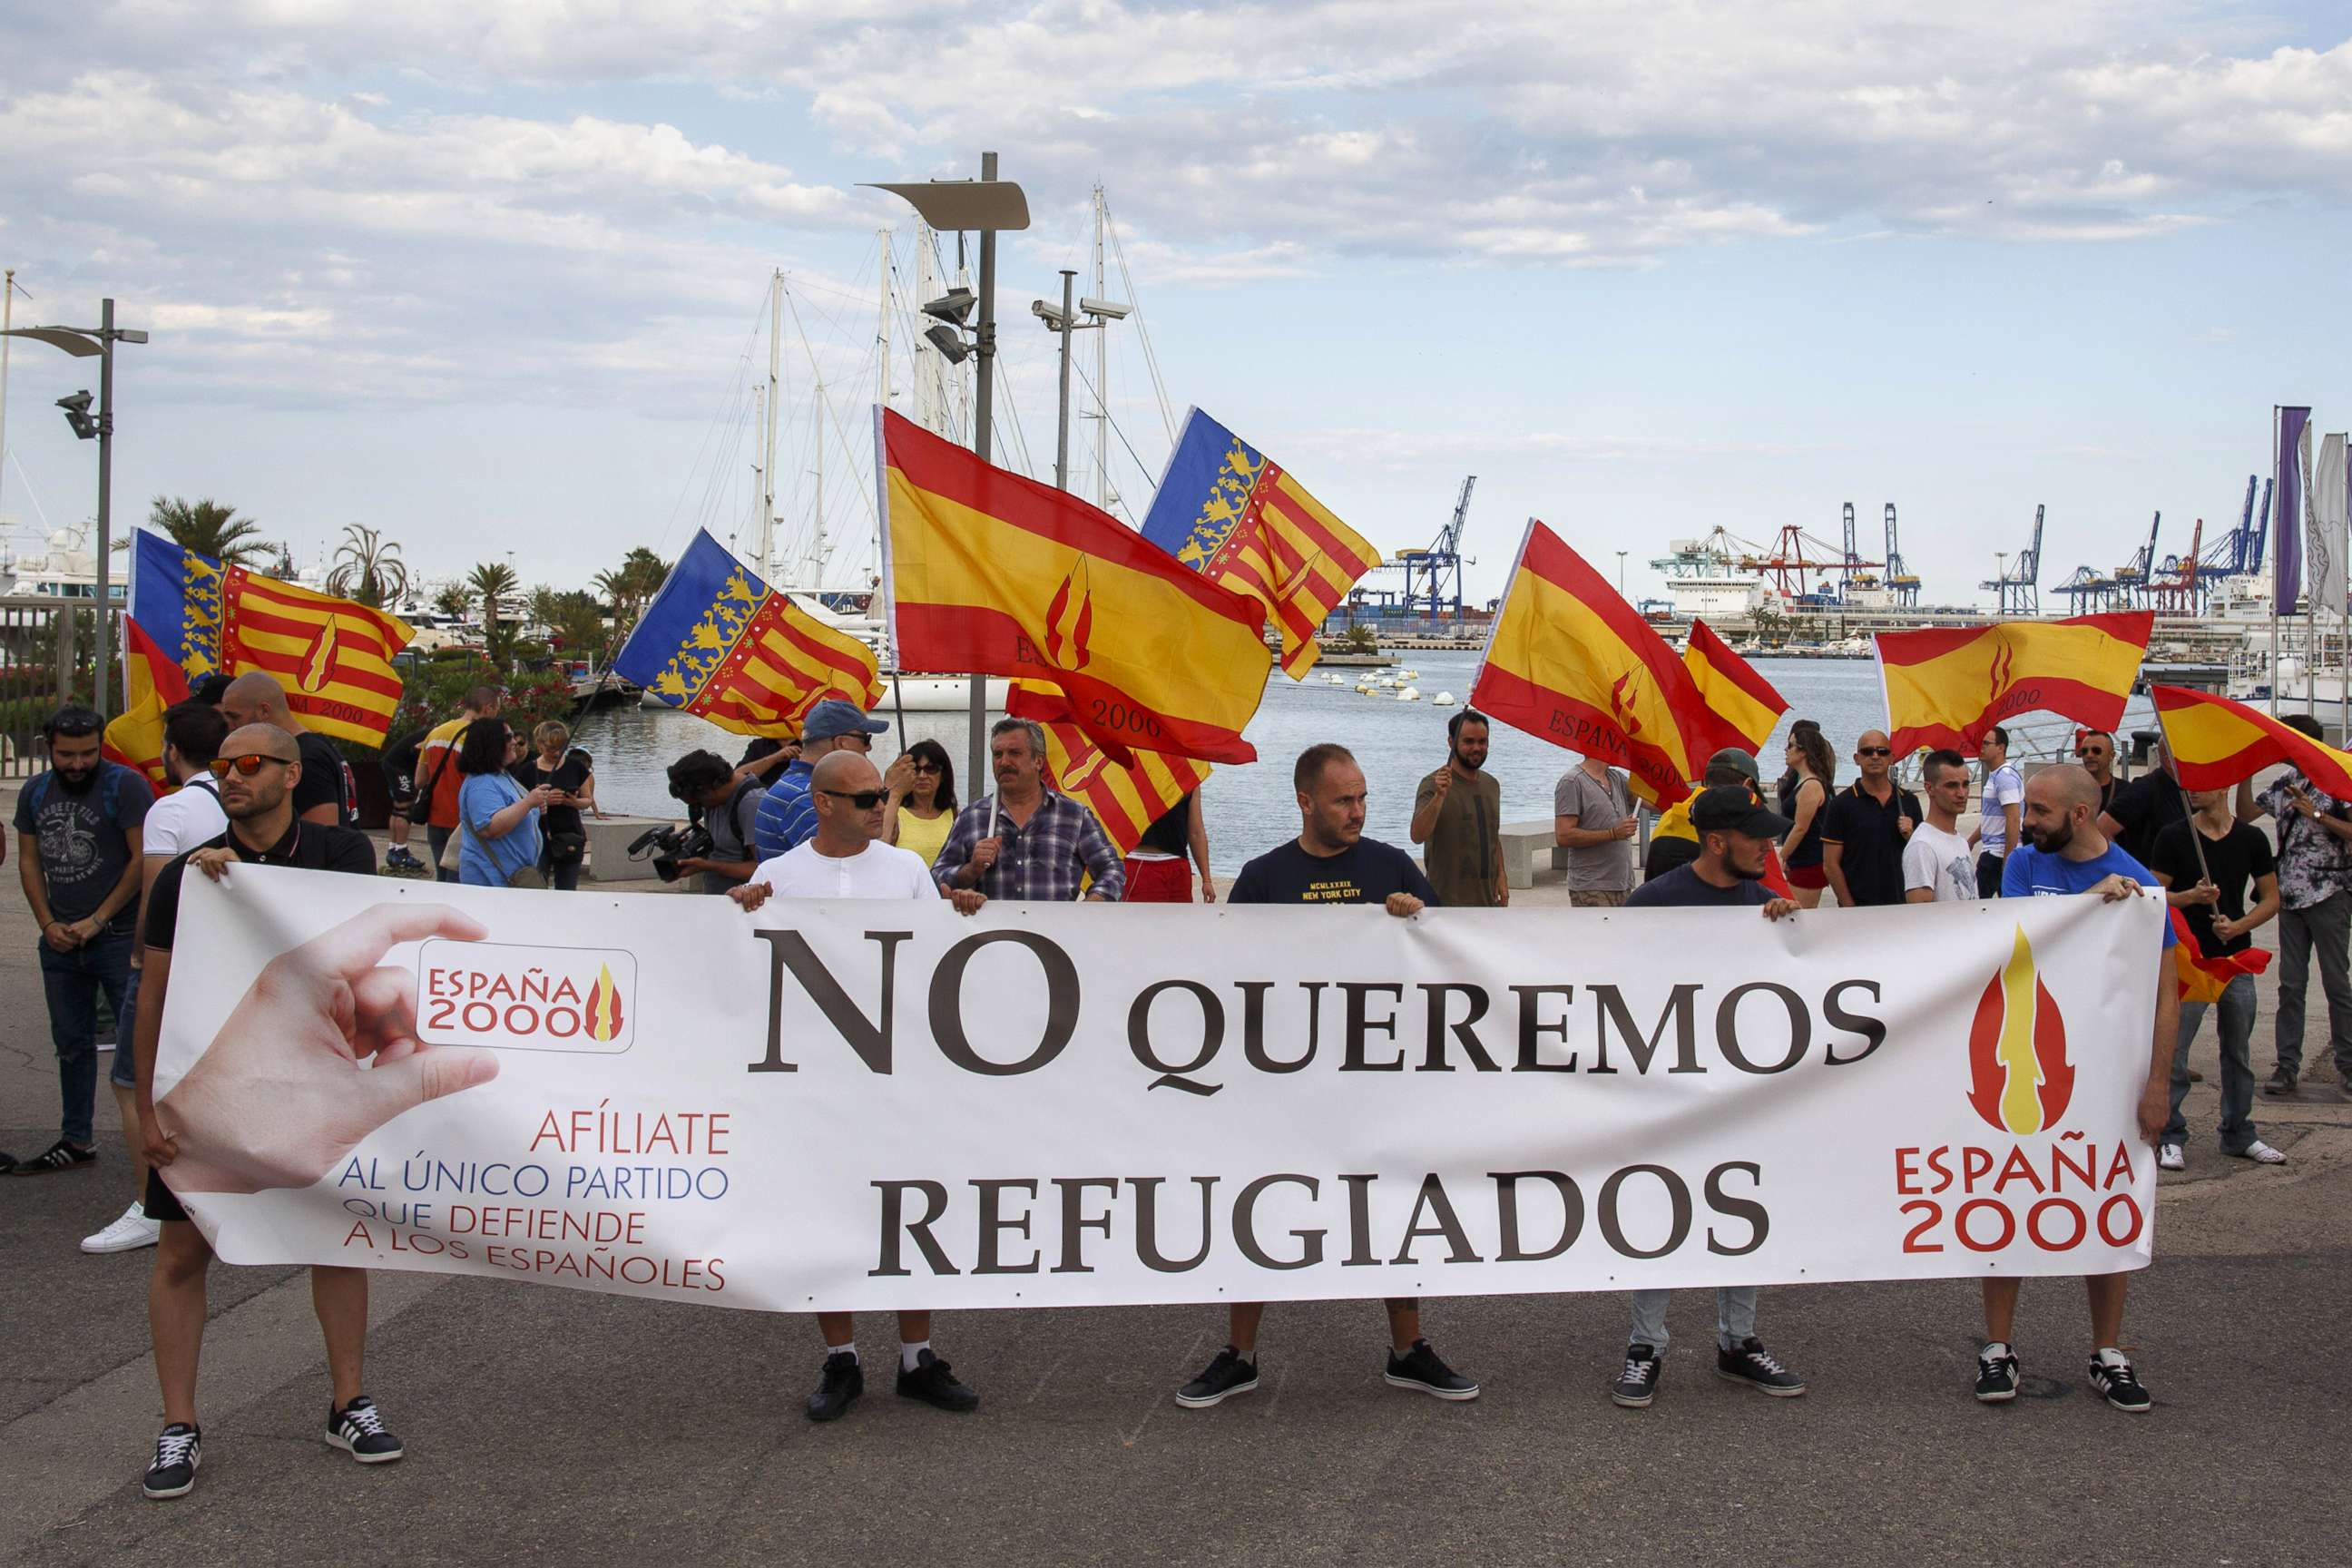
<point x="1521" y="840"/>
<point x="609" y="838"/>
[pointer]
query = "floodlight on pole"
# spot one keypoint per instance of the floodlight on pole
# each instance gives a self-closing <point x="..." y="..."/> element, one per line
<point x="952" y="306"/>
<point x="77" y="414"/>
<point x="950" y="343"/>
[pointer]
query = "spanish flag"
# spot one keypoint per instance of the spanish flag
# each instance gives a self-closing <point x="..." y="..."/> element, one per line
<point x="1741" y="705"/>
<point x="2215" y="743"/>
<point x="2203" y="979"/>
<point x="1234" y="515"/>
<point x="332" y="656"/>
<point x="1946" y="686"/>
<point x="1570" y="660"/>
<point x="994" y="574"/>
<point x="1125" y="800"/>
<point x="724" y="646"/>
<point x="150" y="683"/>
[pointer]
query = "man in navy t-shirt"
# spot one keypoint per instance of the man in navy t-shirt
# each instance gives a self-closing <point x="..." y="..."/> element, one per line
<point x="1331" y="862"/>
<point x="2066" y="853"/>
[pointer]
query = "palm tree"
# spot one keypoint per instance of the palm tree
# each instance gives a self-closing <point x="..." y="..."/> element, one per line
<point x="452" y="600"/>
<point x="208" y="528"/>
<point x="491" y="583"/>
<point x="368" y="568"/>
<point x="632" y="586"/>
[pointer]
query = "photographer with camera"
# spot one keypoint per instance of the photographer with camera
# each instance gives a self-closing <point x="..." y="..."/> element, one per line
<point x="729" y="804"/>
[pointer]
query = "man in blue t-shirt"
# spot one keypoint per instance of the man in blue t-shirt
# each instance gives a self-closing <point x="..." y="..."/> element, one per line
<point x="787" y="817"/>
<point x="2066" y="853"/>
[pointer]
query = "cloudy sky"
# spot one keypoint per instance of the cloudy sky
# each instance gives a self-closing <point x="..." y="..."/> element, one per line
<point x="489" y="276"/>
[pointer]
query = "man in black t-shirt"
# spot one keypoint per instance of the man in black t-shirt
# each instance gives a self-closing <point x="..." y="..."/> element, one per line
<point x="1734" y="836"/>
<point x="1865" y="828"/>
<point x="309" y="1013"/>
<point x="2206" y="879"/>
<point x="2143" y="808"/>
<point x="323" y="795"/>
<point x="1331" y="862"/>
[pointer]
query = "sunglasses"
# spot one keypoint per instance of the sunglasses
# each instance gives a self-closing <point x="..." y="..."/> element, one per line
<point x="1873" y="751"/>
<point x="247" y="765"/>
<point x="864" y="799"/>
<point x="922" y="767"/>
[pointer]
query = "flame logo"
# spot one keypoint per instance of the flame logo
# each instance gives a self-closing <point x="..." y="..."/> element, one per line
<point x="2019" y="1078"/>
<point x="1620" y="702"/>
<point x="320" y="664"/>
<point x="2003" y="662"/>
<point x="1070" y="620"/>
<point x="604" y="1008"/>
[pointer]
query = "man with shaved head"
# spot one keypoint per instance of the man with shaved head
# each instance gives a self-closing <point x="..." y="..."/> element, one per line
<point x="845" y="857"/>
<point x="2064" y="852"/>
<point x="260" y="769"/>
<point x="324" y="798"/>
<point x="1869" y="823"/>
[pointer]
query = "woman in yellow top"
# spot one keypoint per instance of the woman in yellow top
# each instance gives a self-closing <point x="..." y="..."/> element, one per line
<point x="922" y="804"/>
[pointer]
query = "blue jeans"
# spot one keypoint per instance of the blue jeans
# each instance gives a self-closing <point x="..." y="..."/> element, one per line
<point x="124" y="1073"/>
<point x="2236" y="1012"/>
<point x="1735" y="1317"/>
<point x="71" y="981"/>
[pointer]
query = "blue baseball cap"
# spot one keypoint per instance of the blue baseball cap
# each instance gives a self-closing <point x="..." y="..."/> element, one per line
<point x="833" y="716"/>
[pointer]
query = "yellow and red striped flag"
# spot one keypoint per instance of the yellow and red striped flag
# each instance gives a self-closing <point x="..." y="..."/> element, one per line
<point x="150" y="683"/>
<point x="2203" y="979"/>
<point x="1946" y="686"/>
<point x="1234" y="515"/>
<point x="1570" y="660"/>
<point x="994" y="574"/>
<point x="724" y="646"/>
<point x="2215" y="743"/>
<point x="1741" y="705"/>
<point x="1125" y="800"/>
<point x="332" y="656"/>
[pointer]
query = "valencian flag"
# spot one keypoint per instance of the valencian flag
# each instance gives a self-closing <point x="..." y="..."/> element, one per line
<point x="150" y="683"/>
<point x="2203" y="979"/>
<point x="1570" y="660"/>
<point x="992" y="574"/>
<point x="1741" y="705"/>
<point x="1125" y="800"/>
<point x="1230" y="513"/>
<point x="2215" y="743"/>
<point x="332" y="656"/>
<point x="1946" y="686"/>
<point x="721" y="644"/>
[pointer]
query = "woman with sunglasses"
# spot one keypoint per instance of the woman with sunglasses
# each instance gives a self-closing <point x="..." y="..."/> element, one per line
<point x="569" y="776"/>
<point x="1804" y="795"/>
<point x="922" y="806"/>
<point x="497" y="819"/>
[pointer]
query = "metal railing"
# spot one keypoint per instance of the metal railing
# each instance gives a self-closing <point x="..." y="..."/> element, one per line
<point x="47" y="649"/>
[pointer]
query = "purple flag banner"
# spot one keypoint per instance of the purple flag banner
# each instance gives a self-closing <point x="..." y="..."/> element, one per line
<point x="2286" y="535"/>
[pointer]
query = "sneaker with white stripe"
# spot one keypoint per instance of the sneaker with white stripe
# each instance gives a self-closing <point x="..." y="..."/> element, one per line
<point x="359" y="1430"/>
<point x="173" y="1470"/>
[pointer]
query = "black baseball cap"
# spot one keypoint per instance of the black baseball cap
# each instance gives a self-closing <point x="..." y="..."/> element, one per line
<point x="1727" y="808"/>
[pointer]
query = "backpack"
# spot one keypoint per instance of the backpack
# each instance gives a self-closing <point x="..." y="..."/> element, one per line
<point x="111" y="777"/>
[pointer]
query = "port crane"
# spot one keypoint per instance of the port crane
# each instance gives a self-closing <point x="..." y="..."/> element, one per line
<point x="1900" y="579"/>
<point x="1433" y="577"/>
<point x="2018" y="589"/>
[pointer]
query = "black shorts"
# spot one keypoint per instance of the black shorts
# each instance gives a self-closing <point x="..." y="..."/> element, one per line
<point x="402" y="787"/>
<point x="159" y="1203"/>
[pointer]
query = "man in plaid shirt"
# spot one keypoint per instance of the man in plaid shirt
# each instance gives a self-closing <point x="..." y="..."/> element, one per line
<point x="1025" y="841"/>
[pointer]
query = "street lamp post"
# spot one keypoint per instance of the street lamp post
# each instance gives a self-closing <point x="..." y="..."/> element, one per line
<point x="990" y="205"/>
<point x="84" y="342"/>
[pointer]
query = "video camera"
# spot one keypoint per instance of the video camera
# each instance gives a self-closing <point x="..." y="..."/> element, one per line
<point x="667" y="846"/>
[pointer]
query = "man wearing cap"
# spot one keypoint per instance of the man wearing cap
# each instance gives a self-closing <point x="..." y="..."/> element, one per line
<point x="1869" y="823"/>
<point x="1734" y="834"/>
<point x="787" y="818"/>
<point x="1674" y="842"/>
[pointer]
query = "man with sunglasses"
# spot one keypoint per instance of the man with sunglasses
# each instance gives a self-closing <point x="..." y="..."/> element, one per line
<point x="1870" y="821"/>
<point x="259" y="768"/>
<point x="787" y="817"/>
<point x="2096" y="750"/>
<point x="845" y="857"/>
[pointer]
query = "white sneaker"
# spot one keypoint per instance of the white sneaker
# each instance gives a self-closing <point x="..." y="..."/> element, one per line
<point x="2262" y="1153"/>
<point x="132" y="1232"/>
<point x="2171" y="1157"/>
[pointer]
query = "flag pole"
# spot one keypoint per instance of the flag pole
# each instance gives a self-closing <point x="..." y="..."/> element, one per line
<point x="2274" y="572"/>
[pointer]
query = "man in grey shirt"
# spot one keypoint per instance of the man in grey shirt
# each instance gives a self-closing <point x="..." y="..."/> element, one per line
<point x="1593" y="817"/>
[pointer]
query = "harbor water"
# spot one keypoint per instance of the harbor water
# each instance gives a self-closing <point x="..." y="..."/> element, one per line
<point x="1249" y="809"/>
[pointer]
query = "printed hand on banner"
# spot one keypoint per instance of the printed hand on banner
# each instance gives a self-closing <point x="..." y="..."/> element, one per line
<point x="281" y="1096"/>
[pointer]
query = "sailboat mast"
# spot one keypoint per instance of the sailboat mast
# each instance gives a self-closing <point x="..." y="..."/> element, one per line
<point x="882" y="320"/>
<point x="766" y="533"/>
<point x="7" y="321"/>
<point x="1102" y="370"/>
<point x="927" y="399"/>
<point x="816" y="544"/>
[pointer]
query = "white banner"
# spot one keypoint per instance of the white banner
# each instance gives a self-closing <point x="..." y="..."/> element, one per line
<point x="885" y="1105"/>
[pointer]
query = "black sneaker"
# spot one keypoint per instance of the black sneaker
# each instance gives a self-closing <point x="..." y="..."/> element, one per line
<point x="1638" y="1383"/>
<point x="935" y="1385"/>
<point x="1227" y="1375"/>
<point x="2281" y="1085"/>
<point x="178" y="1452"/>
<point x="2121" y="1385"/>
<point x="58" y="1156"/>
<point x="359" y="1430"/>
<point x="1754" y="1365"/>
<point x="1421" y="1370"/>
<point x="1996" y="1374"/>
<point x="843" y="1381"/>
<point x="8" y="1162"/>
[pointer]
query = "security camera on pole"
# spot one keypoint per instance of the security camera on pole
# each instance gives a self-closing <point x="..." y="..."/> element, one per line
<point x="82" y="342"/>
<point x="1063" y="321"/>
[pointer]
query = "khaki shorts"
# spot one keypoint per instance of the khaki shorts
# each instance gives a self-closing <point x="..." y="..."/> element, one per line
<point x="1595" y="899"/>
